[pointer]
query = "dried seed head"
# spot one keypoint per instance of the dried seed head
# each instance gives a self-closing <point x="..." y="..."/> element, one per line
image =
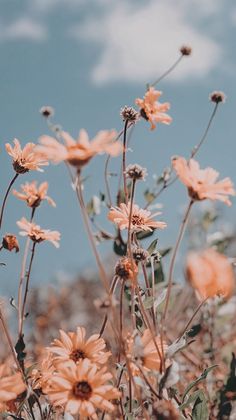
<point x="126" y="269"/>
<point x="217" y="97"/>
<point x="129" y="114"/>
<point x="10" y="242"/>
<point x="186" y="50"/>
<point x="136" y="172"/>
<point x="47" y="111"/>
<point x="140" y="254"/>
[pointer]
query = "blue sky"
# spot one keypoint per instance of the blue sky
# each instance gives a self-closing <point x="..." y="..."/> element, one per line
<point x="88" y="58"/>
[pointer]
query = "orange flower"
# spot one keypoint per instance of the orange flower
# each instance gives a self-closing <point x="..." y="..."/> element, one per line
<point x="33" y="195"/>
<point x="201" y="183"/>
<point x="10" y="242"/>
<point x="79" y="152"/>
<point x="26" y="159"/>
<point x="152" y="110"/>
<point x="143" y="350"/>
<point x="10" y="387"/>
<point x="36" y="234"/>
<point x="74" y="346"/>
<point x="81" y="389"/>
<point x="141" y="219"/>
<point x="210" y="273"/>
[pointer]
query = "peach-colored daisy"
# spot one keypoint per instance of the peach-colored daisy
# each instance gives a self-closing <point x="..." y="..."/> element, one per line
<point x="210" y="273"/>
<point x="82" y="389"/>
<point x="74" y="346"/>
<point x="142" y="350"/>
<point x="26" y="159"/>
<point x="36" y="234"/>
<point x="10" y="387"/>
<point x="141" y="219"/>
<point x="152" y="110"/>
<point x="33" y="195"/>
<point x="201" y="183"/>
<point x="79" y="152"/>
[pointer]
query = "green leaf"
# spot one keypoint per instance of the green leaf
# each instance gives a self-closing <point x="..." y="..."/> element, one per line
<point x="200" y="409"/>
<point x="119" y="247"/>
<point x="152" y="246"/>
<point x="198" y="380"/>
<point x="191" y="399"/>
<point x="149" y="196"/>
<point x="165" y="251"/>
<point x="144" y="234"/>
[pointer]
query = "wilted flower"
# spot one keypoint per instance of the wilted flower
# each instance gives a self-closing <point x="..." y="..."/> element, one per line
<point x="82" y="389"/>
<point x="126" y="269"/>
<point x="33" y="195"/>
<point x="26" y="159"/>
<point x="36" y="234"/>
<point x="79" y="152"/>
<point x="140" y="220"/>
<point x="74" y="346"/>
<point x="10" y="387"/>
<point x="217" y="97"/>
<point x="10" y="242"/>
<point x="136" y="172"/>
<point x="43" y="372"/>
<point x="129" y="114"/>
<point x="186" y="50"/>
<point x="210" y="273"/>
<point x="152" y="110"/>
<point x="201" y="183"/>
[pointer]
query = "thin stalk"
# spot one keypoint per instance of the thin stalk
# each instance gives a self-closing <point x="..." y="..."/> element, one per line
<point x="121" y="317"/>
<point x="149" y="292"/>
<point x="192" y="318"/>
<point x="168" y="71"/>
<point x="27" y="287"/>
<point x="149" y="384"/>
<point x="124" y="161"/>
<point x="102" y="272"/>
<point x="196" y="148"/>
<point x="107" y="182"/>
<point x="5" y="198"/>
<point x="129" y="252"/>
<point x="5" y="329"/>
<point x="173" y="258"/>
<point x="22" y="276"/>
<point x="112" y="289"/>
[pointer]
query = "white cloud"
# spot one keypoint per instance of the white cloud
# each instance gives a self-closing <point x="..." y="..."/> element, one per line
<point x="139" y="43"/>
<point x="23" y="28"/>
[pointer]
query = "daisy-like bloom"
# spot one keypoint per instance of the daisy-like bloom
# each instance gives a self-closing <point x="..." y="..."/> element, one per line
<point x="10" y="387"/>
<point x="79" y="152"/>
<point x="26" y="159"/>
<point x="210" y="273"/>
<point x="126" y="269"/>
<point x="33" y="195"/>
<point x="141" y="219"/>
<point x="152" y="110"/>
<point x="143" y="351"/>
<point x="82" y="389"/>
<point x="74" y="346"/>
<point x="43" y="372"/>
<point x="36" y="234"/>
<point x="201" y="183"/>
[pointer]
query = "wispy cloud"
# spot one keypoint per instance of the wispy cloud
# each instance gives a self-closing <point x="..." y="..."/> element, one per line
<point x="23" y="29"/>
<point x="138" y="42"/>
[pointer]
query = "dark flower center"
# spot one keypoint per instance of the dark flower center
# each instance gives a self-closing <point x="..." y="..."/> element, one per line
<point x="19" y="167"/>
<point x="77" y="355"/>
<point x="137" y="220"/>
<point x="82" y="390"/>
